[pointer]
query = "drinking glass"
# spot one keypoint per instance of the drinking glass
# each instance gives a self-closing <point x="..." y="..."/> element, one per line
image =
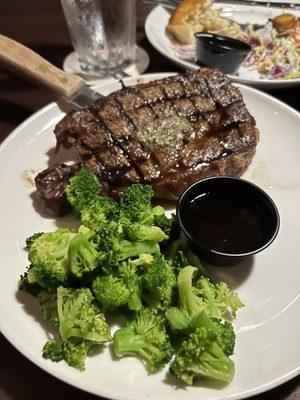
<point x="102" y="33"/>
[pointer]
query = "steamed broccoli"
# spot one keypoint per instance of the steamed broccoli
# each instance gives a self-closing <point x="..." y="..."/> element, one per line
<point x="127" y="271"/>
<point x="79" y="317"/>
<point x="218" y="297"/>
<point x="81" y="325"/>
<point x="138" y="233"/>
<point x="161" y="220"/>
<point x="83" y="256"/>
<point x="135" y="204"/>
<point x="123" y="287"/>
<point x="28" y="283"/>
<point x="224" y="332"/>
<point x="98" y="213"/>
<point x="82" y="189"/>
<point x="159" y="283"/>
<point x="214" y="299"/>
<point x="189" y="303"/>
<point x="146" y="337"/>
<point x="49" y="256"/>
<point x="31" y="239"/>
<point x="225" y="336"/>
<point x="59" y="256"/>
<point x="129" y="257"/>
<point x="74" y="351"/>
<point x="110" y="292"/>
<point x="124" y="249"/>
<point x="200" y="356"/>
<point x="54" y="350"/>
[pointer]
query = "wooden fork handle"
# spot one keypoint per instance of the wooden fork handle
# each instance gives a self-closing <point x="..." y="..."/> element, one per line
<point x="32" y="66"/>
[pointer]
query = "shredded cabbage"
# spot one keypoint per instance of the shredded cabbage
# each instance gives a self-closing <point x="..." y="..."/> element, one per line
<point x="274" y="56"/>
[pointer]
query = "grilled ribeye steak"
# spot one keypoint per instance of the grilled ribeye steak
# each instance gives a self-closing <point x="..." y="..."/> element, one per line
<point x="168" y="133"/>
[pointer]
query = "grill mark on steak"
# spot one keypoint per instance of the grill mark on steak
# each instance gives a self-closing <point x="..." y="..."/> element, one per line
<point x="213" y="133"/>
<point x="148" y="169"/>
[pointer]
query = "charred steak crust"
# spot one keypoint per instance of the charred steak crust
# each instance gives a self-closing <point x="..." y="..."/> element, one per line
<point x="51" y="184"/>
<point x="167" y="133"/>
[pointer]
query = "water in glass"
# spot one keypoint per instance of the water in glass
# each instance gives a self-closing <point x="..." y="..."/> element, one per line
<point x="102" y="33"/>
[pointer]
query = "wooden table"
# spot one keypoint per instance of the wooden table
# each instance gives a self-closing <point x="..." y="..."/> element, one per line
<point x="40" y="25"/>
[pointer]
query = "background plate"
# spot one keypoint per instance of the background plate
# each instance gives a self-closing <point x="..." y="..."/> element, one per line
<point x="268" y="328"/>
<point x="157" y="20"/>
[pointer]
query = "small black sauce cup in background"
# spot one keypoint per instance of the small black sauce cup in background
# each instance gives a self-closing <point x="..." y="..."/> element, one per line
<point x="239" y="188"/>
<point x="221" y="52"/>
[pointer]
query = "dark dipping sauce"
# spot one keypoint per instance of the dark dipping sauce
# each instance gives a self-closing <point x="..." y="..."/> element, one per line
<point x="224" y="223"/>
<point x="227" y="218"/>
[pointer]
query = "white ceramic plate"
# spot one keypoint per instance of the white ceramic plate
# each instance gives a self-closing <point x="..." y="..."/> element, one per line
<point x="268" y="328"/>
<point x="157" y="20"/>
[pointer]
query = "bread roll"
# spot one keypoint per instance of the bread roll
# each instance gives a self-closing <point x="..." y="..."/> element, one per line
<point x="192" y="16"/>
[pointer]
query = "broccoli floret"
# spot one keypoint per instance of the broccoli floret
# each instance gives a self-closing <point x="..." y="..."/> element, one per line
<point x="83" y="256"/>
<point x="189" y="303"/>
<point x="81" y="326"/>
<point x="82" y="189"/>
<point x="146" y="337"/>
<point x="110" y="292"/>
<point x="138" y="233"/>
<point x="31" y="239"/>
<point x="28" y="283"/>
<point x="196" y="311"/>
<point x="143" y="259"/>
<point x="48" y="304"/>
<point x="79" y="317"/>
<point x="58" y="256"/>
<point x="218" y="298"/>
<point x="54" y="350"/>
<point x="110" y="242"/>
<point x="49" y="256"/>
<point x="159" y="283"/>
<point x="135" y="204"/>
<point x="124" y="249"/>
<point x="97" y="213"/>
<point x="200" y="356"/>
<point x="224" y="331"/>
<point x="127" y="271"/>
<point x="74" y="351"/>
<point x="123" y="287"/>
<point x="161" y="220"/>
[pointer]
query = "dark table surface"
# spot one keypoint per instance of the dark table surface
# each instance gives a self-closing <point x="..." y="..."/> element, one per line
<point x="40" y="25"/>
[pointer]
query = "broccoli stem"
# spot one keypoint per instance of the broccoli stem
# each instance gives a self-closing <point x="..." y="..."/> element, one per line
<point x="188" y="300"/>
<point x="177" y="319"/>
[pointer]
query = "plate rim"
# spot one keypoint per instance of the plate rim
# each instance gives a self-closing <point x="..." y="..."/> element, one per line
<point x="191" y="66"/>
<point x="43" y="364"/>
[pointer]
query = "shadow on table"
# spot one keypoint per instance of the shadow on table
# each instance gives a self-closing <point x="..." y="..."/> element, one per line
<point x="12" y="112"/>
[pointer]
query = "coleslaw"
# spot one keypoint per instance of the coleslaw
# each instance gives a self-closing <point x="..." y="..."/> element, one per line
<point x="274" y="55"/>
